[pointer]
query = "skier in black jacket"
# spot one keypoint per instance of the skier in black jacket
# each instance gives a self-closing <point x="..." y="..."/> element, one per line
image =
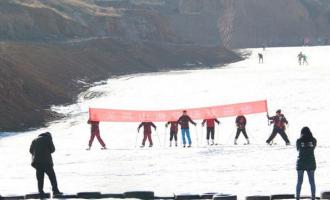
<point x="306" y="160"/>
<point x="184" y="123"/>
<point x="41" y="149"/>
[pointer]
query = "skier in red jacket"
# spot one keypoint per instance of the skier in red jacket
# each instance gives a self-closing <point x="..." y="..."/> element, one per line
<point x="95" y="132"/>
<point x="279" y="122"/>
<point x="240" y="124"/>
<point x="210" y="129"/>
<point x="146" y="132"/>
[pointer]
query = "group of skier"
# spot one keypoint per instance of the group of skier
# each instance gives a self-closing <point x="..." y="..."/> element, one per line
<point x="279" y="125"/>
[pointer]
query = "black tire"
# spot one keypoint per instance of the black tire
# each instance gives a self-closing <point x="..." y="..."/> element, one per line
<point x="282" y="196"/>
<point x="140" y="194"/>
<point x="225" y="197"/>
<point x="12" y="197"/>
<point x="37" y="196"/>
<point x="257" y="197"/>
<point x="325" y="195"/>
<point x="117" y="196"/>
<point x="186" y="196"/>
<point x="65" y="196"/>
<point x="89" y="195"/>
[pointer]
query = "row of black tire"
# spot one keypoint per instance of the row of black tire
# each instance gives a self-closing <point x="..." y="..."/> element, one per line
<point x="150" y="195"/>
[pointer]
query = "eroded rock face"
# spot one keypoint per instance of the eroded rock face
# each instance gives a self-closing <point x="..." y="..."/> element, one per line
<point x="237" y="24"/>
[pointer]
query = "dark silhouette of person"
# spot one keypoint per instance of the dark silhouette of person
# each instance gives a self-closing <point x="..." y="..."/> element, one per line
<point x="306" y="160"/>
<point x="173" y="131"/>
<point x="210" y="129"/>
<point x="95" y="132"/>
<point x="41" y="149"/>
<point x="261" y="58"/>
<point x="279" y="122"/>
<point x="146" y="132"/>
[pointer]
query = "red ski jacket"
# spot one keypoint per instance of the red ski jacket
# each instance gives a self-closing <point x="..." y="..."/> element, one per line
<point x="210" y="122"/>
<point x="240" y="121"/>
<point x="147" y="126"/>
<point x="174" y="126"/>
<point x="279" y="121"/>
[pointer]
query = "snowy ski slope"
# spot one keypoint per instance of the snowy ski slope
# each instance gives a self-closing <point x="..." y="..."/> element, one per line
<point x="302" y="92"/>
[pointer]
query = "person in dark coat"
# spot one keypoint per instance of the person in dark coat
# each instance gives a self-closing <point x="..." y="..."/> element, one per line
<point x="41" y="149"/>
<point x="210" y="129"/>
<point x="173" y="131"/>
<point x="279" y="122"/>
<point x="95" y="132"/>
<point x="261" y="58"/>
<point x="306" y="160"/>
<point x="184" y="123"/>
<point x="240" y="124"/>
<point x="146" y="132"/>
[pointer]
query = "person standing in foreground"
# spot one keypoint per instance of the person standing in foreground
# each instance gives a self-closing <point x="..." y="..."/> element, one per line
<point x="279" y="122"/>
<point x="184" y="123"/>
<point x="95" y="132"/>
<point x="306" y="160"/>
<point x="210" y="129"/>
<point x="240" y="124"/>
<point x="41" y="149"/>
<point x="173" y="131"/>
<point x="146" y="132"/>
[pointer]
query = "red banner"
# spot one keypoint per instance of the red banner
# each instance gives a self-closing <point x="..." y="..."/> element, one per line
<point x="114" y="115"/>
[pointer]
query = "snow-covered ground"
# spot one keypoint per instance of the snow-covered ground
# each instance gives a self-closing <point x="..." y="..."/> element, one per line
<point x="302" y="92"/>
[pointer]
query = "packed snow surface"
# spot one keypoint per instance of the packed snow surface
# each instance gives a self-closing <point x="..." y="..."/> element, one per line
<point x="302" y="92"/>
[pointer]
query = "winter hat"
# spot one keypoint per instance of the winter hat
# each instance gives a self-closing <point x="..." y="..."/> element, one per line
<point x="278" y="111"/>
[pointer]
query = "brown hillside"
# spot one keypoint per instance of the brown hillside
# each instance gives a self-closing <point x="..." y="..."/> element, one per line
<point x="37" y="75"/>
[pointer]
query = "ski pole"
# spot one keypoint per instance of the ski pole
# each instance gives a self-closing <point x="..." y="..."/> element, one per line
<point x="218" y="134"/>
<point x="196" y="131"/>
<point x="165" y="136"/>
<point x="136" y="138"/>
<point x="230" y="136"/>
<point x="158" y="138"/>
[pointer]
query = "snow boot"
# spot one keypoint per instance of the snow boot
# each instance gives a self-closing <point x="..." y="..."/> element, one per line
<point x="170" y="143"/>
<point x="235" y="142"/>
<point x="142" y="146"/>
<point x="247" y="141"/>
<point x="176" y="143"/>
<point x="208" y="143"/>
<point x="89" y="148"/>
<point x="212" y="143"/>
<point x="150" y="145"/>
<point x="104" y="148"/>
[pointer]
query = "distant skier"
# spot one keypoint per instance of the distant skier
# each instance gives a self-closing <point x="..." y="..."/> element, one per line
<point x="146" y="132"/>
<point x="279" y="122"/>
<point x="95" y="132"/>
<point x="261" y="58"/>
<point x="173" y="131"/>
<point x="300" y="58"/>
<point x="240" y="124"/>
<point x="210" y="129"/>
<point x="304" y="59"/>
<point x="306" y="160"/>
<point x="184" y="123"/>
